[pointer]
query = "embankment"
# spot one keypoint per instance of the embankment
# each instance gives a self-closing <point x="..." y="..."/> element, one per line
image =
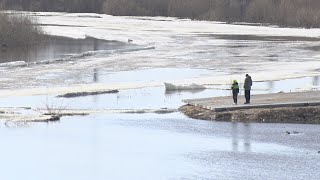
<point x="299" y="115"/>
<point x="296" y="107"/>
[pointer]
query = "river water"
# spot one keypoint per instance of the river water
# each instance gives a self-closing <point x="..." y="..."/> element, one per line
<point x="56" y="47"/>
<point x="153" y="146"/>
<point x="137" y="55"/>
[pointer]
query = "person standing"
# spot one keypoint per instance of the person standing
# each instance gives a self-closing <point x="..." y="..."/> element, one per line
<point x="235" y="91"/>
<point x="247" y="88"/>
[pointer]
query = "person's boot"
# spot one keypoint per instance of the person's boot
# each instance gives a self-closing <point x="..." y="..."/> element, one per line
<point x="234" y="101"/>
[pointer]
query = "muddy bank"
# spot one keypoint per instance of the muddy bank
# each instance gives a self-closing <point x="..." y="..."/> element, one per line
<point x="299" y="115"/>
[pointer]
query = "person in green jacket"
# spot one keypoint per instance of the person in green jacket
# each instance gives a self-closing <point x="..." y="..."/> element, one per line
<point x="235" y="91"/>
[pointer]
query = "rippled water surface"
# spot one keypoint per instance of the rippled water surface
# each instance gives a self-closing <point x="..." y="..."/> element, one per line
<point x="158" y="147"/>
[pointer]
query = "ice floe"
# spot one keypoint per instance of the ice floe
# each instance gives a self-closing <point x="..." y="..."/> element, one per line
<point x="173" y="87"/>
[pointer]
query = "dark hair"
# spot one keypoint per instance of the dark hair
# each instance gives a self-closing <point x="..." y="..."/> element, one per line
<point x="247" y="75"/>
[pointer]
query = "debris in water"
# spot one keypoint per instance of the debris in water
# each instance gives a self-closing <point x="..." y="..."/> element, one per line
<point x="294" y="132"/>
<point x="80" y="94"/>
<point x="157" y="111"/>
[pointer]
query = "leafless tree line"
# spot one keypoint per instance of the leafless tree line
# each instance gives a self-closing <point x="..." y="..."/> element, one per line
<point x="53" y="5"/>
<point x="300" y="13"/>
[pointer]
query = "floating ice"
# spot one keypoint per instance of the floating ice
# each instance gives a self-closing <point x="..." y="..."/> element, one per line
<point x="14" y="64"/>
<point x="220" y="48"/>
<point x="172" y="87"/>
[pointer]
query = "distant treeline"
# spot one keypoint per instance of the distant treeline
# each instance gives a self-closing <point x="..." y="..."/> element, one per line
<point x="299" y="13"/>
<point x="54" y="5"/>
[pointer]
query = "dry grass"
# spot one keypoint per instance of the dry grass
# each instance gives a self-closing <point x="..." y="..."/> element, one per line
<point x="53" y="108"/>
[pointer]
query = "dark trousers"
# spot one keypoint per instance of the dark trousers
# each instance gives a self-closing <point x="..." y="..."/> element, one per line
<point x="247" y="95"/>
<point x="235" y="96"/>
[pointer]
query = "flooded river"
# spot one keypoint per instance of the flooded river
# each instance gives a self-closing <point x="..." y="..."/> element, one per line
<point x="136" y="55"/>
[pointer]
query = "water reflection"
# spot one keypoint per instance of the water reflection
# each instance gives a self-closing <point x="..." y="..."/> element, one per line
<point x="270" y="86"/>
<point x="246" y="127"/>
<point x="58" y="47"/>
<point x="235" y="139"/>
<point x="315" y="80"/>
<point x="95" y="75"/>
<point x="104" y="146"/>
<point x="247" y="137"/>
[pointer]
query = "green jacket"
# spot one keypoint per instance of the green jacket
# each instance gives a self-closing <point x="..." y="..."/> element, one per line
<point x="235" y="87"/>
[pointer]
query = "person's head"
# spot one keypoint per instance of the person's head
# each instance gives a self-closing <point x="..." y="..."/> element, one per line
<point x="247" y="75"/>
<point x="235" y="81"/>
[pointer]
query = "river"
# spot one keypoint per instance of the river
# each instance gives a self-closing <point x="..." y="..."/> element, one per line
<point x="136" y="55"/>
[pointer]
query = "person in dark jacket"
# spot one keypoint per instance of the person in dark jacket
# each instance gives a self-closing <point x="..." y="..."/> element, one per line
<point x="235" y="91"/>
<point x="247" y="88"/>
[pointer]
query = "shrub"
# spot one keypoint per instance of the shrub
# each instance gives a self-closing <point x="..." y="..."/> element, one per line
<point x="19" y="30"/>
